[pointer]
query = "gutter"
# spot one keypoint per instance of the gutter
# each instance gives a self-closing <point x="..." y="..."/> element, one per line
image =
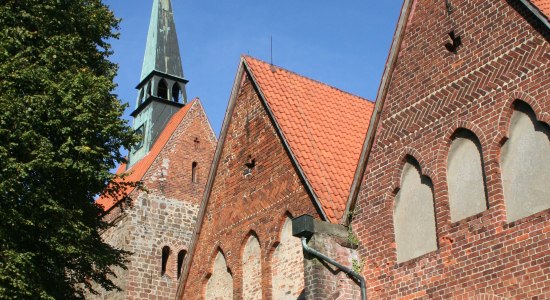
<point x="331" y="261"/>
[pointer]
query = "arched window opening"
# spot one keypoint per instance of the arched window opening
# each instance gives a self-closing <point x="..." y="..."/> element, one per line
<point x="194" y="175"/>
<point x="165" y="256"/>
<point x="465" y="176"/>
<point x="288" y="255"/>
<point x="414" y="214"/>
<point x="176" y="91"/>
<point x="220" y="284"/>
<point x="140" y="99"/>
<point x="252" y="269"/>
<point x="525" y="164"/>
<point x="162" y="90"/>
<point x="181" y="256"/>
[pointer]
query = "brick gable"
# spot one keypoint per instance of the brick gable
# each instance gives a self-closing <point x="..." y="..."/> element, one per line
<point x="247" y="201"/>
<point x="427" y="94"/>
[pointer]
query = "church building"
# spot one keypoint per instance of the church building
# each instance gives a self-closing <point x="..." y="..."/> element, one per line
<point x="437" y="190"/>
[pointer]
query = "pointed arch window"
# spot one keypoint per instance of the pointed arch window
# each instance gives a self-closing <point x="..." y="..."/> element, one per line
<point x="220" y="283"/>
<point x="176" y="92"/>
<point x="140" y="100"/>
<point x="162" y="90"/>
<point x="288" y="255"/>
<point x="194" y="175"/>
<point x="252" y="269"/>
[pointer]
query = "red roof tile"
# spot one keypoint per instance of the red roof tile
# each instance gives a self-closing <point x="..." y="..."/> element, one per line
<point x="138" y="170"/>
<point x="543" y="6"/>
<point x="324" y="126"/>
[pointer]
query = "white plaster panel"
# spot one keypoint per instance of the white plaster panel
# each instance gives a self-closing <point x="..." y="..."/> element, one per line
<point x="465" y="179"/>
<point x="220" y="284"/>
<point x="414" y="218"/>
<point x="252" y="270"/>
<point x="526" y="167"/>
<point x="288" y="266"/>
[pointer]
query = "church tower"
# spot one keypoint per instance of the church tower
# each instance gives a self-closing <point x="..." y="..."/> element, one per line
<point x="156" y="223"/>
<point x="161" y="90"/>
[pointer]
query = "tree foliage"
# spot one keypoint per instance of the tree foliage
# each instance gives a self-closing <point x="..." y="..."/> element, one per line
<point x="60" y="133"/>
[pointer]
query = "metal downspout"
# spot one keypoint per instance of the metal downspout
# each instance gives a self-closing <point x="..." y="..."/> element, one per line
<point x="346" y="270"/>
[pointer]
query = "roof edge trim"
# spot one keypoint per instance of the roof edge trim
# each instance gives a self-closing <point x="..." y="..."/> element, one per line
<point x="534" y="10"/>
<point x="379" y="105"/>
<point x="210" y="182"/>
<point x="131" y="168"/>
<point x="287" y="145"/>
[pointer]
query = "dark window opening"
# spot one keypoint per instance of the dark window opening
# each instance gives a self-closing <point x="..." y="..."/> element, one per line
<point x="165" y="255"/>
<point x="162" y="91"/>
<point x="197" y="143"/>
<point x="141" y="133"/>
<point x="176" y="92"/>
<point x="194" y="176"/>
<point x="140" y="100"/>
<point x="181" y="256"/>
<point x="249" y="166"/>
<point x="456" y="41"/>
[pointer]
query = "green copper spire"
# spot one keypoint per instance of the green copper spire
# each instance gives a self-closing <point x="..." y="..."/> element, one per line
<point x="162" y="52"/>
<point x="162" y="85"/>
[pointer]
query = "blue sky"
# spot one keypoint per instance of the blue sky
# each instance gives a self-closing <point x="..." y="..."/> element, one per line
<point x="342" y="43"/>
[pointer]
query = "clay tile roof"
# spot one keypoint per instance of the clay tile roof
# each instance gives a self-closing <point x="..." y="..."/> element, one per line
<point x="543" y="6"/>
<point x="324" y="127"/>
<point x="138" y="170"/>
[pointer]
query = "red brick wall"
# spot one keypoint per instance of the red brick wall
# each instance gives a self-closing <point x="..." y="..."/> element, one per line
<point x="240" y="204"/>
<point x="432" y="93"/>
<point x="323" y="280"/>
<point x="193" y="141"/>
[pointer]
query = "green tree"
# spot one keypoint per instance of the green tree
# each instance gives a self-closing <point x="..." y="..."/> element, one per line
<point x="60" y="133"/>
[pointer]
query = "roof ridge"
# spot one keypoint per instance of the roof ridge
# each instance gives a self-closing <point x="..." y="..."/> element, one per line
<point x="308" y="78"/>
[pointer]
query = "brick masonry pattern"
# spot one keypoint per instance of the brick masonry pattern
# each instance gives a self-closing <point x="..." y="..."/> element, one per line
<point x="241" y="204"/>
<point x="164" y="214"/>
<point x="432" y="93"/>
